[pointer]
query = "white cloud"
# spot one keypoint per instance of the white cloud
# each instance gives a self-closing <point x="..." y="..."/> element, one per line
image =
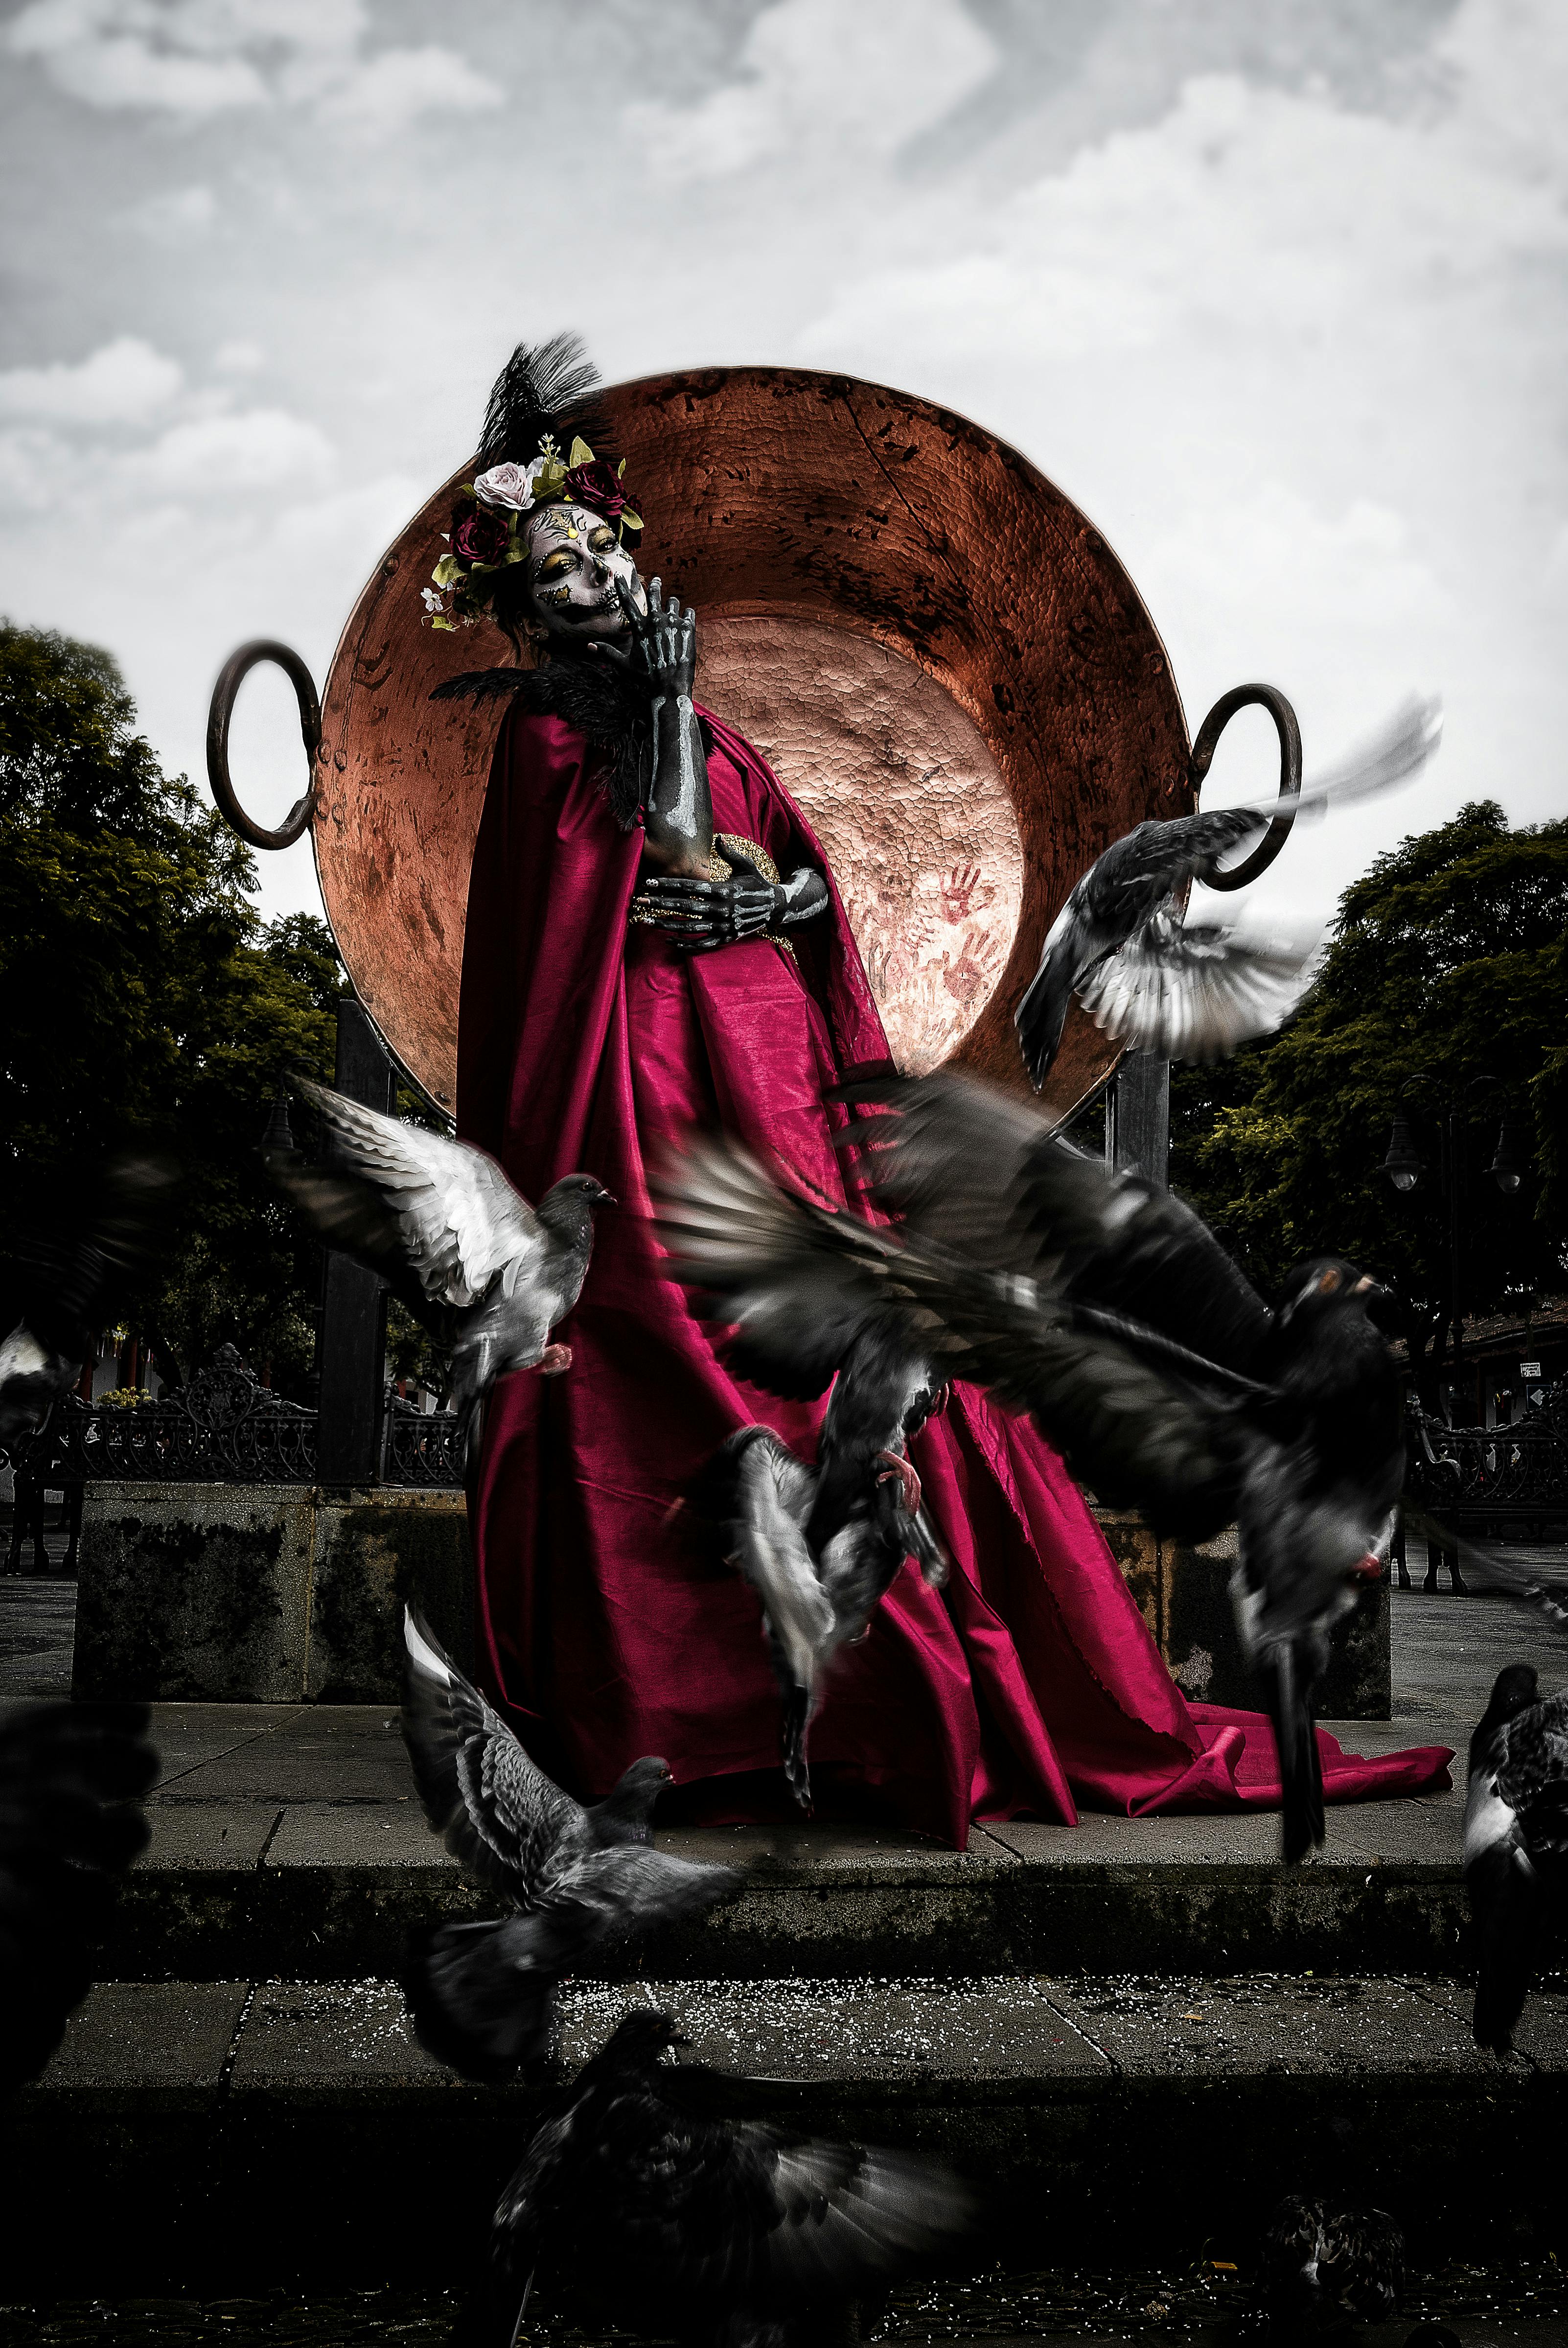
<point x="174" y="216"/>
<point x="202" y="57"/>
<point x="214" y="456"/>
<point x="823" y="83"/>
<point x="123" y="383"/>
<point x="239" y="357"/>
<point x="391" y="90"/>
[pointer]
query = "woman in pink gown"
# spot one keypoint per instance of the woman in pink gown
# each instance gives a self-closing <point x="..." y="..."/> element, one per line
<point x="595" y="1029"/>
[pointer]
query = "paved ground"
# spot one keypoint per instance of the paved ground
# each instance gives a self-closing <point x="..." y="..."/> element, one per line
<point x="1196" y="2305"/>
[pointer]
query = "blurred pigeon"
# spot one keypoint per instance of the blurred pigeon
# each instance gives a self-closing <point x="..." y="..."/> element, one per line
<point x="1323" y="2267"/>
<point x="489" y="1275"/>
<point x="69" y="1283"/>
<point x="722" y="2231"/>
<point x="819" y="1544"/>
<point x="1515" y="1842"/>
<point x="483" y="1995"/>
<point x="1195" y="993"/>
<point x="70" y="1825"/>
<point x="1105" y="1306"/>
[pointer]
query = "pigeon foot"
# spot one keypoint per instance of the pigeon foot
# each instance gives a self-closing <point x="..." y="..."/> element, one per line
<point x="1370" y="1569"/>
<point x="553" y="1361"/>
<point x="904" y="1469"/>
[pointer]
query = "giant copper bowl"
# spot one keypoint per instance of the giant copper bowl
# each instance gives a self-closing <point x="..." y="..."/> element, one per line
<point x="946" y="663"/>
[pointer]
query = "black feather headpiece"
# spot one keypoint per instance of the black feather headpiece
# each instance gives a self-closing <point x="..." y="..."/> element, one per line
<point x="544" y="387"/>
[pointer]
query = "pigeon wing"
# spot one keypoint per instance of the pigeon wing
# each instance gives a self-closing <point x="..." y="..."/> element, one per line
<point x="446" y="1209"/>
<point x="767" y="2222"/>
<point x="1141" y="1435"/>
<point x="1196" y="994"/>
<point x="496" y="1812"/>
<point x="772" y="1498"/>
<point x="795" y="1281"/>
<point x="988" y="1178"/>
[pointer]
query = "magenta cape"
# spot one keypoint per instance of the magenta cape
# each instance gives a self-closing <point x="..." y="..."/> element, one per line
<point x="607" y="1626"/>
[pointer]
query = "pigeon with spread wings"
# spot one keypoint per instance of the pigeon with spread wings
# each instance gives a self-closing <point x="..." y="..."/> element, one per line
<point x="733" y="2232"/>
<point x="1103" y="1305"/>
<point x="1515" y="1842"/>
<point x="819" y="1542"/>
<point x="485" y="1272"/>
<point x="70" y="1281"/>
<point x="581" y="1880"/>
<point x="1192" y="992"/>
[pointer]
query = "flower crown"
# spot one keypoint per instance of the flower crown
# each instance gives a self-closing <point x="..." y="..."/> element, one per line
<point x="486" y="537"/>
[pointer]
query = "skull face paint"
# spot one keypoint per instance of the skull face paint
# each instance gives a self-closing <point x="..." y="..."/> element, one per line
<point x="575" y="564"/>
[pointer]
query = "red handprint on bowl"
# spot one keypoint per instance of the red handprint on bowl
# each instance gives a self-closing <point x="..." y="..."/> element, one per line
<point x="976" y="967"/>
<point x="956" y="890"/>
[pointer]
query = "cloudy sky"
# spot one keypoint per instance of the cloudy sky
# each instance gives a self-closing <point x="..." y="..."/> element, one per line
<point x="1275" y="289"/>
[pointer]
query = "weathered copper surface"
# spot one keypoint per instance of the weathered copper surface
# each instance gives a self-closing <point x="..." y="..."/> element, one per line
<point x="794" y="510"/>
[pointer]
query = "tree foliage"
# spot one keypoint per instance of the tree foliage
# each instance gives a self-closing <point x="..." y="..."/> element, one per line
<point x="147" y="1002"/>
<point x="1445" y="988"/>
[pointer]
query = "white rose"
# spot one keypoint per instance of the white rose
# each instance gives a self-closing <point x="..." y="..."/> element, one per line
<point x="508" y="485"/>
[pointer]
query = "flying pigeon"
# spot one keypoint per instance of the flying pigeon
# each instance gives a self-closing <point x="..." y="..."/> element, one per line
<point x="69" y="1283"/>
<point x="1515" y="1842"/>
<point x="69" y="1827"/>
<point x="1105" y="1306"/>
<point x="727" y="2232"/>
<point x="489" y="1275"/>
<point x="820" y="1543"/>
<point x="1194" y="992"/>
<point x="1323" y="2267"/>
<point x="581" y="1880"/>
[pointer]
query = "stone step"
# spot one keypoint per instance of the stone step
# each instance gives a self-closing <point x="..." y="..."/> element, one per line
<point x="295" y="2132"/>
<point x="286" y="1839"/>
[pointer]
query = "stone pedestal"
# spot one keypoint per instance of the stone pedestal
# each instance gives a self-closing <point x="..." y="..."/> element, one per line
<point x="1184" y="1594"/>
<point x="236" y="1593"/>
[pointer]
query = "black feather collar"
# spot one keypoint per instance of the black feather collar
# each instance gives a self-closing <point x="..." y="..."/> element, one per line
<point x="609" y="710"/>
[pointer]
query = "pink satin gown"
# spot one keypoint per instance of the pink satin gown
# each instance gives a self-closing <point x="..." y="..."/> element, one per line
<point x="607" y="1625"/>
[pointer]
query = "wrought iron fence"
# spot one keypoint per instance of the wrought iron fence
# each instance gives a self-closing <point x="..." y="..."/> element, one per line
<point x="1492" y="1477"/>
<point x="224" y="1426"/>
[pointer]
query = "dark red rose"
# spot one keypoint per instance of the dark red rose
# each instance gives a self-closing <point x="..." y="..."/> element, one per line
<point x="480" y="535"/>
<point x="597" y="485"/>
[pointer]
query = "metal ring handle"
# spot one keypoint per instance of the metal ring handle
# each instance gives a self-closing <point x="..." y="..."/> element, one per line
<point x="1246" y="697"/>
<point x="237" y="666"/>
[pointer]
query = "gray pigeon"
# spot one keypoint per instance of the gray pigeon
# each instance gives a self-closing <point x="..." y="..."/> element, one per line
<point x="1515" y="1842"/>
<point x="70" y="1283"/>
<point x="70" y="1825"/>
<point x="820" y="1543"/>
<point x="1324" y="2267"/>
<point x="1192" y="992"/>
<point x="581" y="1880"/>
<point x="486" y="1274"/>
<point x="1103" y="1306"/>
<point x="663" y="2216"/>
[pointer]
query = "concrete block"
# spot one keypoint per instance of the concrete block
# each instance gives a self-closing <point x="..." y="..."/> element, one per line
<point x="911" y="2032"/>
<point x="1267" y="2024"/>
<point x="193" y="1590"/>
<point x="264" y="1594"/>
<point x="201" y="1836"/>
<point x="1183" y="1591"/>
<point x="362" y="1834"/>
<point x="375" y="1553"/>
<point x="149" y="2042"/>
<point x="330" y="2035"/>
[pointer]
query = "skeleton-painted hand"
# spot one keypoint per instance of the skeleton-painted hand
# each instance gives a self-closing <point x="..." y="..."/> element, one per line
<point x="703" y="915"/>
<point x="659" y="646"/>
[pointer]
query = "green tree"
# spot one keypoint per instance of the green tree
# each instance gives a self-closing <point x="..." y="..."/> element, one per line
<point x="146" y="1000"/>
<point x="1446" y="980"/>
